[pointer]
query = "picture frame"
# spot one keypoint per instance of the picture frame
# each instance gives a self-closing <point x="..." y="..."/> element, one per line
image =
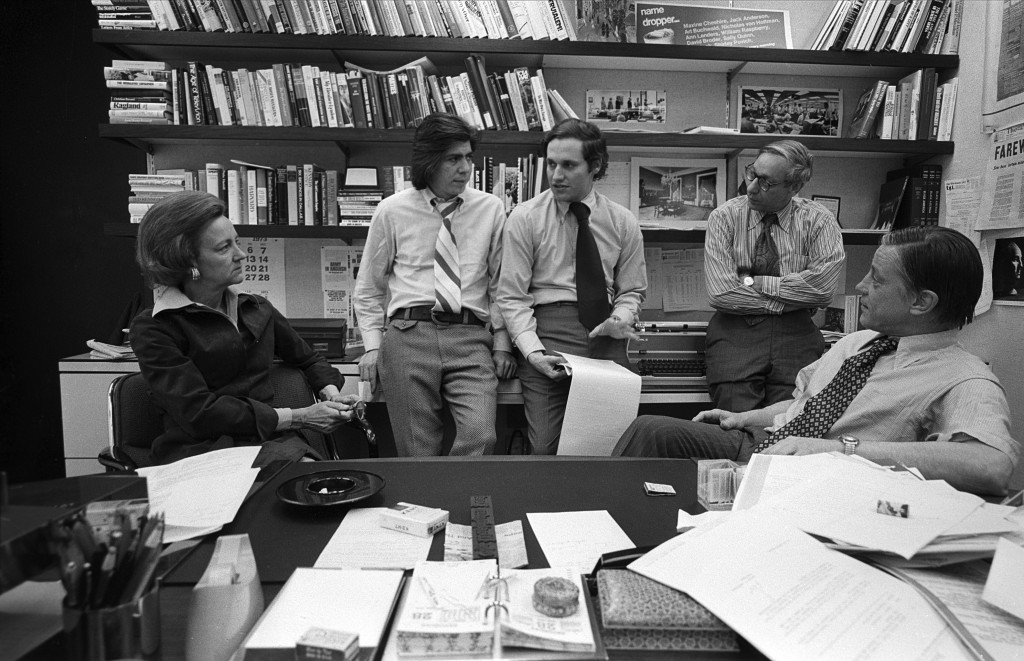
<point x="790" y="111"/>
<point x="676" y="193"/>
<point x="627" y="106"/>
<point x="829" y="202"/>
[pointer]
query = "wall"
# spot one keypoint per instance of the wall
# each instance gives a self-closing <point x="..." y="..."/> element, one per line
<point x="996" y="335"/>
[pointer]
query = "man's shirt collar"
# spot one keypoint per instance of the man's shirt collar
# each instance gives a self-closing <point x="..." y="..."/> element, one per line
<point x="590" y="199"/>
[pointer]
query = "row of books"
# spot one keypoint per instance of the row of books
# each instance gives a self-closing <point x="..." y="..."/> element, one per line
<point x="899" y="26"/>
<point x="916" y="107"/>
<point x="910" y="196"/>
<point x="489" y="19"/>
<point x="306" y="95"/>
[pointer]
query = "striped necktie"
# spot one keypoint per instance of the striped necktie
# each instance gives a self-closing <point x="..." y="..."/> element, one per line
<point x="766" y="254"/>
<point x="824" y="409"/>
<point x="447" y="282"/>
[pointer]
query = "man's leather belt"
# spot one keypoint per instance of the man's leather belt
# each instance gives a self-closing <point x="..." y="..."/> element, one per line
<point x="426" y="313"/>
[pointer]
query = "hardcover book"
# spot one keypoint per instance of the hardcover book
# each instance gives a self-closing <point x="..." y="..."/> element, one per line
<point x="866" y="113"/>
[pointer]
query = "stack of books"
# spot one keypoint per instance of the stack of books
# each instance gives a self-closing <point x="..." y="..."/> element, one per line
<point x="470" y="19"/>
<point x="900" y="26"/>
<point x="916" y="107"/>
<point x="148" y="189"/>
<point x="125" y="15"/>
<point x="910" y="196"/>
<point x="140" y="92"/>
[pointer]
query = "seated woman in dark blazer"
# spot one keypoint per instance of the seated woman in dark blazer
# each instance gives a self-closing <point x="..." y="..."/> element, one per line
<point x="206" y="350"/>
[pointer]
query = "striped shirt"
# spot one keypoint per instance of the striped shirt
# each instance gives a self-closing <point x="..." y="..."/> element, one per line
<point x="929" y="389"/>
<point x="811" y="256"/>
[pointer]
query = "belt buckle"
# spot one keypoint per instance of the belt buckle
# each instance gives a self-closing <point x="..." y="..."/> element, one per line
<point x="436" y="320"/>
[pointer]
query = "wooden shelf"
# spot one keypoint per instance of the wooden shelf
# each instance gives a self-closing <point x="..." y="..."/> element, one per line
<point x="143" y="135"/>
<point x="164" y="45"/>
<point x="129" y="230"/>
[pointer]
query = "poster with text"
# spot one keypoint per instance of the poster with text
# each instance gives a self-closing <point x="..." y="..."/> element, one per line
<point x="264" y="269"/>
<point x="1002" y="193"/>
<point x="1004" y="64"/>
<point x="691" y="25"/>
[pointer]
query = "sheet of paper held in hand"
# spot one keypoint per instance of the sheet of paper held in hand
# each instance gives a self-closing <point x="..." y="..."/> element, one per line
<point x="578" y="538"/>
<point x="198" y="495"/>
<point x="792" y="598"/>
<point x="361" y="543"/>
<point x="603" y="399"/>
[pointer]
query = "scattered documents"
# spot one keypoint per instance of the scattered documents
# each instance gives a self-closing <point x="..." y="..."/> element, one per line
<point x="199" y="495"/>
<point x="578" y="539"/>
<point x="360" y="543"/>
<point x="603" y="399"/>
<point x="1005" y="585"/>
<point x="458" y="544"/>
<point x="792" y="598"/>
<point x="361" y="601"/>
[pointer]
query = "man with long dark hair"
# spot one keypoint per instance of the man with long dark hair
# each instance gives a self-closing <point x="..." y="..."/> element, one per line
<point x="432" y="257"/>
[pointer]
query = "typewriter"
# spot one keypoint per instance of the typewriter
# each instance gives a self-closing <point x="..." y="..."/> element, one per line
<point x="672" y="356"/>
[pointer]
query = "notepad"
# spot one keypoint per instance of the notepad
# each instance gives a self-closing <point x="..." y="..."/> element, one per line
<point x="359" y="601"/>
<point x="462" y="608"/>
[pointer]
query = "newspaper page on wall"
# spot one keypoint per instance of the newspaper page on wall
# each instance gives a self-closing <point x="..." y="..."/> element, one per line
<point x="1002" y="195"/>
<point x="1004" y="65"/>
<point x="264" y="270"/>
<point x="339" y="266"/>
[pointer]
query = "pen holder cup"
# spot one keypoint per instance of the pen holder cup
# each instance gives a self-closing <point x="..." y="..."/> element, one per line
<point x="127" y="631"/>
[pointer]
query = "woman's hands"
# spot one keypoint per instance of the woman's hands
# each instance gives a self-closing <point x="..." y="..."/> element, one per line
<point x="325" y="416"/>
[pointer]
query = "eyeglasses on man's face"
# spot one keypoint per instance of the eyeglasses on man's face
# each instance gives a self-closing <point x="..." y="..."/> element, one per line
<point x="750" y="175"/>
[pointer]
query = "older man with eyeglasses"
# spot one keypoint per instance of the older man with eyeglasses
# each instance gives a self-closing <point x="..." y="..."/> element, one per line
<point x="771" y="259"/>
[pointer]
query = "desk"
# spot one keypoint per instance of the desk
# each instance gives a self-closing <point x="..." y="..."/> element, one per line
<point x="284" y="537"/>
<point x="84" y="382"/>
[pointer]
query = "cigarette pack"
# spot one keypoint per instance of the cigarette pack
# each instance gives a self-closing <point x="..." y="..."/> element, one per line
<point x="414" y="519"/>
<point x="327" y="645"/>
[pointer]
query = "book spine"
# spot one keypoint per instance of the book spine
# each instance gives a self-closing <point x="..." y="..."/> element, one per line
<point x="516" y="99"/>
<point x="355" y="93"/>
<point x="479" y="92"/>
<point x="195" y="96"/>
<point x="507" y="19"/>
<point x="951" y="39"/>
<point x="540" y="93"/>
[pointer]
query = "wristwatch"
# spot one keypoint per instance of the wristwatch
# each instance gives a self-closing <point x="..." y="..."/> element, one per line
<point x="850" y="444"/>
<point x="748" y="281"/>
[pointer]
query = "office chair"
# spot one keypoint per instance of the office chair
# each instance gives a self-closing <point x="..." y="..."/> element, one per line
<point x="133" y="421"/>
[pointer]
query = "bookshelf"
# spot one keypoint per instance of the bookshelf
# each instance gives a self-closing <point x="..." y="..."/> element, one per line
<point x="378" y="146"/>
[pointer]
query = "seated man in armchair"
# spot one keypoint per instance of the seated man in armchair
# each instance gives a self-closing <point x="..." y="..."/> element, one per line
<point x="903" y="391"/>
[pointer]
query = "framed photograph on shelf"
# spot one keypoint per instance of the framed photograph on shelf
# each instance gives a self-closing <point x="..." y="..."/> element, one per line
<point x="676" y="193"/>
<point x="829" y="202"/>
<point x="782" y="112"/>
<point x="626" y="106"/>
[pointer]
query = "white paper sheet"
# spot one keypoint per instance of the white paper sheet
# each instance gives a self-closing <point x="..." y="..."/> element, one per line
<point x="844" y="509"/>
<point x="200" y="494"/>
<point x="1005" y="585"/>
<point x="458" y="543"/>
<point x="603" y="399"/>
<point x="578" y="539"/>
<point x="355" y="601"/>
<point x="794" y="599"/>
<point x="360" y="543"/>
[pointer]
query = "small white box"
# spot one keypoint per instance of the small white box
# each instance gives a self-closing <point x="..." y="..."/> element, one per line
<point x="414" y="519"/>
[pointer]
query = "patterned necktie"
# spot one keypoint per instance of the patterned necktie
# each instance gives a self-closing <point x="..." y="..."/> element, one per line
<point x="447" y="283"/>
<point x="821" y="411"/>
<point x="766" y="255"/>
<point x="591" y="292"/>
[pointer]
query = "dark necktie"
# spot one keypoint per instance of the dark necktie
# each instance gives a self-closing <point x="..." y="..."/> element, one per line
<point x="447" y="280"/>
<point x="591" y="292"/>
<point x="821" y="411"/>
<point x="766" y="255"/>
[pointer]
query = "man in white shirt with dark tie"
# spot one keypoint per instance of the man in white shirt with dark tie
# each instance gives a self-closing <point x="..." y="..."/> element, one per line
<point x="432" y="256"/>
<point x="573" y="276"/>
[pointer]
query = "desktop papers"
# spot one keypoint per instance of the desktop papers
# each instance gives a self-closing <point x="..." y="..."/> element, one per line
<point x="198" y="495"/>
<point x="1005" y="585"/>
<point x="361" y="543"/>
<point x="458" y="544"/>
<point x="578" y="539"/>
<point x="792" y="598"/>
<point x="603" y="399"/>
<point x="351" y="600"/>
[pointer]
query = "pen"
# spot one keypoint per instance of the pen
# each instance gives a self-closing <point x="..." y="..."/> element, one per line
<point x="99" y="593"/>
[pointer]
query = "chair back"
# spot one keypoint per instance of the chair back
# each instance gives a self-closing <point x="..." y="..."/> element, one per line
<point x="134" y="421"/>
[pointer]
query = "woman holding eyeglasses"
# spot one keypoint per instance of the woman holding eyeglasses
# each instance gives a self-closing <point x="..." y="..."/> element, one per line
<point x="771" y="259"/>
